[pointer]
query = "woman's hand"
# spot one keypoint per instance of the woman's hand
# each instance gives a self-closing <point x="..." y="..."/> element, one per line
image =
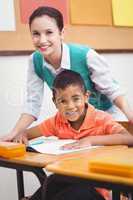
<point x="21" y="138"/>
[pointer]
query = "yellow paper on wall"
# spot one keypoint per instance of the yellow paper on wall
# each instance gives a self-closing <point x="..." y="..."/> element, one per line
<point x="122" y="12"/>
<point x="91" y="12"/>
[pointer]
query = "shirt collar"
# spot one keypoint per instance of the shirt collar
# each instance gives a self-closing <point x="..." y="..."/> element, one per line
<point x="89" y="118"/>
<point x="65" y="61"/>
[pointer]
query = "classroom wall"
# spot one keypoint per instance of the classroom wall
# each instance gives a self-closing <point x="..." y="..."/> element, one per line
<point x="12" y="94"/>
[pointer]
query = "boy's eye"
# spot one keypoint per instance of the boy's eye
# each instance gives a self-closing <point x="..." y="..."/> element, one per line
<point x="76" y="99"/>
<point x="61" y="101"/>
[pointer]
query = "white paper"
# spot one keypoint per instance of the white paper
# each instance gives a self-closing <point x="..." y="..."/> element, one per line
<point x="7" y="15"/>
<point x="52" y="145"/>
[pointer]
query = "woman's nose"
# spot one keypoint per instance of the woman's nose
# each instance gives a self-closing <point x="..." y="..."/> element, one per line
<point x="43" y="38"/>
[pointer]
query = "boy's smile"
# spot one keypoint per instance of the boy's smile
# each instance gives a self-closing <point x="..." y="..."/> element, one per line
<point x="71" y="104"/>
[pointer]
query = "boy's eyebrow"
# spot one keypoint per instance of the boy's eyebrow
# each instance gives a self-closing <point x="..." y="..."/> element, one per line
<point x="76" y="95"/>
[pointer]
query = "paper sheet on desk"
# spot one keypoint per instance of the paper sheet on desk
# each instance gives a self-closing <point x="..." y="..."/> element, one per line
<point x="53" y="146"/>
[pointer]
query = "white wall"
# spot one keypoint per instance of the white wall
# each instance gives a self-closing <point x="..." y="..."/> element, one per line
<point x="12" y="90"/>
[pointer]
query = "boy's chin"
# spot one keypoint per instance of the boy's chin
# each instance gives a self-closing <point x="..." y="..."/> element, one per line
<point x="73" y="120"/>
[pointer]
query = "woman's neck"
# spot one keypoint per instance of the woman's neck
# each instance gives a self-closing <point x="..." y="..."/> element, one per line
<point x="55" y="59"/>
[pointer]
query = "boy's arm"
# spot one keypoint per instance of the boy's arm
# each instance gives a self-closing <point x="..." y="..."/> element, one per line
<point x="121" y="138"/>
<point x="33" y="132"/>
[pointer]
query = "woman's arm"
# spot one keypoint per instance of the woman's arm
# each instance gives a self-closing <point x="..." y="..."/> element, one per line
<point x="101" y="74"/>
<point x="35" y="87"/>
<point x="24" y="121"/>
<point x="123" y="105"/>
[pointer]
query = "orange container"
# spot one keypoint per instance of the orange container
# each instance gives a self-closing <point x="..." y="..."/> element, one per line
<point x="11" y="149"/>
<point x="117" y="163"/>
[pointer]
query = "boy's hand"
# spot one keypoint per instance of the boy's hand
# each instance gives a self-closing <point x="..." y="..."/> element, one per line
<point x="76" y="145"/>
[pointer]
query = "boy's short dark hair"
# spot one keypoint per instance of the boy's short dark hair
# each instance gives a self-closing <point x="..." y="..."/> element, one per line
<point x="67" y="78"/>
<point x="49" y="11"/>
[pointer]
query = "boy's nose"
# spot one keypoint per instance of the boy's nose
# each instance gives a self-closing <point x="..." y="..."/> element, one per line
<point x="71" y="105"/>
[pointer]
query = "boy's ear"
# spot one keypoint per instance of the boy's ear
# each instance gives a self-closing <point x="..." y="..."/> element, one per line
<point x="87" y="94"/>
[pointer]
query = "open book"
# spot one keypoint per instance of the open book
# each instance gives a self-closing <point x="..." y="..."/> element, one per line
<point x="52" y="145"/>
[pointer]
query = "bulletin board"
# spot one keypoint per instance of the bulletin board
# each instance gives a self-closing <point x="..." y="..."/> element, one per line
<point x="93" y="28"/>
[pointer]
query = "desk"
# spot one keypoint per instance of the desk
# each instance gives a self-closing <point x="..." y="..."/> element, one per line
<point x="77" y="169"/>
<point x="35" y="162"/>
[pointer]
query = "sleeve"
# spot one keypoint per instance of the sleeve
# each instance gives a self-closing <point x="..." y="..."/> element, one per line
<point x="47" y="127"/>
<point x="110" y="126"/>
<point x="34" y="93"/>
<point x="101" y="74"/>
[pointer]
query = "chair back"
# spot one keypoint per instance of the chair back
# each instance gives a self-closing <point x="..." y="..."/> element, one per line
<point x="127" y="125"/>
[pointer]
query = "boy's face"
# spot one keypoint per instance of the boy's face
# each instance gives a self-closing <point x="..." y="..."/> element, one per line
<point x="71" y="102"/>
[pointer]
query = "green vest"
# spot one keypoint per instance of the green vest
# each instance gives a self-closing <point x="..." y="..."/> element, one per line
<point x="78" y="63"/>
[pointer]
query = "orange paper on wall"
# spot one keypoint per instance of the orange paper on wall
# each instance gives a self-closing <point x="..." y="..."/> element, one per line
<point x="88" y="12"/>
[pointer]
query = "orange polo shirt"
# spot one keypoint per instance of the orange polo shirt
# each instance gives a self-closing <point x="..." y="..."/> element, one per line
<point x="96" y="122"/>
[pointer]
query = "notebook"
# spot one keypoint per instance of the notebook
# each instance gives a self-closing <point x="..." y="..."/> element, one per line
<point x="52" y="145"/>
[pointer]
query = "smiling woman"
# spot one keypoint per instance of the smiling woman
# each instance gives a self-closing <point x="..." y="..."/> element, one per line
<point x="19" y="41"/>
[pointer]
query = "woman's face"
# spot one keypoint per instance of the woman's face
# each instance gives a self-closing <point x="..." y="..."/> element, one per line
<point x="46" y="36"/>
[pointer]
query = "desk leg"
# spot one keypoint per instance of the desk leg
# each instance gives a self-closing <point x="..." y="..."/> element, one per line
<point x="42" y="177"/>
<point x="115" y="195"/>
<point x="130" y="196"/>
<point x="20" y="184"/>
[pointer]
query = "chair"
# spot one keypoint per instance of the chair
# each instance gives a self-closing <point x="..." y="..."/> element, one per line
<point x="127" y="125"/>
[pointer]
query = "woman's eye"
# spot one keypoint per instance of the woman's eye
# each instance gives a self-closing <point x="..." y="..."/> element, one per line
<point x="35" y="34"/>
<point x="49" y="32"/>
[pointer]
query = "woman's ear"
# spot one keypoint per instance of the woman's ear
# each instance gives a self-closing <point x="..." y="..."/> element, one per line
<point x="54" y="101"/>
<point x="62" y="33"/>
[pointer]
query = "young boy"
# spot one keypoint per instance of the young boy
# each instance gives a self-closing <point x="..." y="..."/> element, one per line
<point x="78" y="120"/>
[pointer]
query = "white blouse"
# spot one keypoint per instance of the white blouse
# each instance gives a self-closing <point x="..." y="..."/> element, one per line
<point x="100" y="75"/>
